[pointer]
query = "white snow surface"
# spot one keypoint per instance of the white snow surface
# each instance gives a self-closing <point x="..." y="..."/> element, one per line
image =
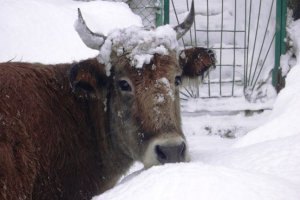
<point x="262" y="165"/>
<point x="43" y="31"/>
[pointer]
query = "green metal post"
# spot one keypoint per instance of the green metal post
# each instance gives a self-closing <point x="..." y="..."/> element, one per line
<point x="283" y="25"/>
<point x="280" y="46"/>
<point x="162" y="14"/>
<point x="159" y="13"/>
<point x="166" y="11"/>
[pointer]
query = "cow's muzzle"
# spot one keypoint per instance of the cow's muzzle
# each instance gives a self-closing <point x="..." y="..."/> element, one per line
<point x="166" y="150"/>
<point x="170" y="153"/>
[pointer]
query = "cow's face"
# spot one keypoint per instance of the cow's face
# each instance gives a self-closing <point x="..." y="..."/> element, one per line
<point x="143" y="95"/>
<point x="144" y="107"/>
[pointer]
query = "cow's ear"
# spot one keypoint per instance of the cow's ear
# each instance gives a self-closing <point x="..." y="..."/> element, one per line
<point x="196" y="61"/>
<point x="88" y="78"/>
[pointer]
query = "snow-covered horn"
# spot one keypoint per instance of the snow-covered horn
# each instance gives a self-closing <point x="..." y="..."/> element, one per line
<point x="182" y="28"/>
<point x="90" y="39"/>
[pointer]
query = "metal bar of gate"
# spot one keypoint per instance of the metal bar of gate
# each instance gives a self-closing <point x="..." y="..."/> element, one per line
<point x="207" y="37"/>
<point x="280" y="47"/>
<point x="234" y="51"/>
<point x="262" y="45"/>
<point x="166" y="11"/>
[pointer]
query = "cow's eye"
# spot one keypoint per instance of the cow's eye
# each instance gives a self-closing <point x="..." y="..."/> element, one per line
<point x="178" y="80"/>
<point x="124" y="85"/>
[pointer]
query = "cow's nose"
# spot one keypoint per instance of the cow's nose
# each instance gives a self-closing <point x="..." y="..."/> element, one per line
<point x="170" y="153"/>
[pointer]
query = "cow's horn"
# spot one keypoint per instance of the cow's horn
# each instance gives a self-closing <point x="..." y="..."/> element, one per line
<point x="90" y="39"/>
<point x="182" y="28"/>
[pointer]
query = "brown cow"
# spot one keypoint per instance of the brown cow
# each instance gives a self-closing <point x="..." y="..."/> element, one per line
<point x="69" y="131"/>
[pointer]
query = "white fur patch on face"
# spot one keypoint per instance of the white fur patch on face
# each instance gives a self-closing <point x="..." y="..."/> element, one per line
<point x="166" y="84"/>
<point x="150" y="157"/>
<point x="159" y="98"/>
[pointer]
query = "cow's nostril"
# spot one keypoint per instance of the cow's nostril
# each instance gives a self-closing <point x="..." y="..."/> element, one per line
<point x="170" y="153"/>
<point x="182" y="149"/>
<point x="161" y="156"/>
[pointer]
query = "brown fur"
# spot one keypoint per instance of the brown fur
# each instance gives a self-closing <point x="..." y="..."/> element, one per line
<point x="196" y="61"/>
<point x="48" y="143"/>
<point x="69" y="131"/>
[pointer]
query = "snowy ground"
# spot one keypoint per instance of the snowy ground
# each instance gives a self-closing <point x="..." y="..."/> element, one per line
<point x="261" y="165"/>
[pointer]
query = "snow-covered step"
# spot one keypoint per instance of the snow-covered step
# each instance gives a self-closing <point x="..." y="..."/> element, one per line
<point x="226" y="126"/>
<point x="223" y="105"/>
<point x="226" y="117"/>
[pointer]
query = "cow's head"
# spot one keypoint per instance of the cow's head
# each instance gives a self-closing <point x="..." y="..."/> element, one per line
<point x="143" y="77"/>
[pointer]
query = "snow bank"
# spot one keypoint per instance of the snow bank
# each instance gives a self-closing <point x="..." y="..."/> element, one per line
<point x="277" y="158"/>
<point x="264" y="171"/>
<point x="284" y="120"/>
<point x="42" y="31"/>
<point x="196" y="181"/>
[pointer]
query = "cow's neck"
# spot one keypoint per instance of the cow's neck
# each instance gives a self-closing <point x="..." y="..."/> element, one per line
<point x="114" y="162"/>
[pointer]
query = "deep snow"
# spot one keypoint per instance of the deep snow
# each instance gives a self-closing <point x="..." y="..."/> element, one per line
<point x="263" y="164"/>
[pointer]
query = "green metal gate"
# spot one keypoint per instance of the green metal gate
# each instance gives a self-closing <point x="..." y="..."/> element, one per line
<point x="247" y="37"/>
